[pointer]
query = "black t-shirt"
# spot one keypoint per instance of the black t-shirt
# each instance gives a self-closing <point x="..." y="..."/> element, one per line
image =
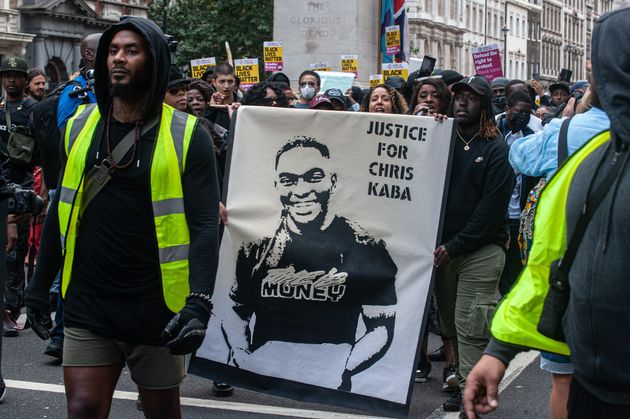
<point x="310" y="288"/>
<point x="20" y="113"/>
<point x="116" y="287"/>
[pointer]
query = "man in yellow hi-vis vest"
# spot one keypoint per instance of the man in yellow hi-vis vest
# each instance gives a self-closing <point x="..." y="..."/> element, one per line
<point x="138" y="256"/>
<point x="589" y="194"/>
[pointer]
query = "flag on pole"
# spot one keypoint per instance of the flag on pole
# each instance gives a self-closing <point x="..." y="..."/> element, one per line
<point x="393" y="13"/>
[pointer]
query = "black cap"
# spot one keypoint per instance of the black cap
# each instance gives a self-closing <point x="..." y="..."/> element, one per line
<point x="279" y="79"/>
<point x="559" y="85"/>
<point x="16" y="64"/>
<point x="477" y="84"/>
<point x="396" y="82"/>
<point x="336" y="94"/>
<point x="209" y="72"/>
<point x="450" y="76"/>
<point x="176" y="78"/>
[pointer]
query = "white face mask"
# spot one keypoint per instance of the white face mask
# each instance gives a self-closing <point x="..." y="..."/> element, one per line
<point x="307" y="92"/>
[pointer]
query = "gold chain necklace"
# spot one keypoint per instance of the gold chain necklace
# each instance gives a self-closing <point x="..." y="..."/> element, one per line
<point x="466" y="143"/>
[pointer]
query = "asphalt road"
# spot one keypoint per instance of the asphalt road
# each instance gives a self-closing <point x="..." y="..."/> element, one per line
<point x="35" y="390"/>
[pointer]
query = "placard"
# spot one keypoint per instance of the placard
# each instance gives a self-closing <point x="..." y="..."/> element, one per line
<point x="273" y="56"/>
<point x="247" y="70"/>
<point x="392" y="40"/>
<point x="350" y="64"/>
<point x="306" y="275"/>
<point x="335" y="79"/>
<point x="395" y="69"/>
<point x="376" y="79"/>
<point x="321" y="66"/>
<point x="199" y="66"/>
<point x="487" y="60"/>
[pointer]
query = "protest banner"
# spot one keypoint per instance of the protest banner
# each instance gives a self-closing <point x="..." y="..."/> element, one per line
<point x="335" y="80"/>
<point x="273" y="56"/>
<point x="392" y="40"/>
<point x="305" y="277"/>
<point x="376" y="79"/>
<point x="395" y="69"/>
<point x="350" y="64"/>
<point x="247" y="70"/>
<point x="199" y="66"/>
<point x="322" y="66"/>
<point x="487" y="60"/>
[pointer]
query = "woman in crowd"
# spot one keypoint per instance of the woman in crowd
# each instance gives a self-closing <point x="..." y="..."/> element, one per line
<point x="198" y="95"/>
<point x="385" y="99"/>
<point x="265" y="94"/>
<point x="430" y="96"/>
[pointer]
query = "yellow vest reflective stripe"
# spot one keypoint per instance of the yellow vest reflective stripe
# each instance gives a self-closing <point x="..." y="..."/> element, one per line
<point x="517" y="316"/>
<point x="167" y="167"/>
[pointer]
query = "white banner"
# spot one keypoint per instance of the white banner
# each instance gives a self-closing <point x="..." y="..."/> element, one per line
<point x="327" y="258"/>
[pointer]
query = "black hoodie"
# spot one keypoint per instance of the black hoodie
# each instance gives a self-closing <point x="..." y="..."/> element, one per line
<point x="116" y="288"/>
<point x="597" y="320"/>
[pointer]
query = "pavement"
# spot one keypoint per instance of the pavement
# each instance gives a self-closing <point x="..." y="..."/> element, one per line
<point x="35" y="390"/>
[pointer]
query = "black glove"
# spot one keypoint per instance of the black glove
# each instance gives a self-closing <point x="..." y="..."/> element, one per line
<point x="40" y="322"/>
<point x="186" y="331"/>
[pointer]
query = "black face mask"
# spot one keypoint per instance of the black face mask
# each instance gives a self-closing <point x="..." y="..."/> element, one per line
<point x="498" y="102"/>
<point x="518" y="121"/>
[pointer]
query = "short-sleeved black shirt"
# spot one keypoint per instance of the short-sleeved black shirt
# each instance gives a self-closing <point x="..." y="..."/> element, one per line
<point x="310" y="288"/>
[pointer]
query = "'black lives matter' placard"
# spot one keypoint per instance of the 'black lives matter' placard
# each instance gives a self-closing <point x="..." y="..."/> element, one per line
<point x="327" y="259"/>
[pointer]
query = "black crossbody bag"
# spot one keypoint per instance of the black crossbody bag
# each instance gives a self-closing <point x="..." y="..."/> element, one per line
<point x="557" y="299"/>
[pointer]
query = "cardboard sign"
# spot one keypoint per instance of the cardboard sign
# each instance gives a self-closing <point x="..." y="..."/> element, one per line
<point x="306" y="278"/>
<point x="395" y="69"/>
<point x="350" y="64"/>
<point x="273" y="56"/>
<point x="392" y="40"/>
<point x="487" y="60"/>
<point x="335" y="80"/>
<point x="322" y="66"/>
<point x="247" y="70"/>
<point x="199" y="66"/>
<point x="376" y="79"/>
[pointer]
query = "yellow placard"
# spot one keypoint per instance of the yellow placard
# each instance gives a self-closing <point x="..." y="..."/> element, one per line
<point x="199" y="66"/>
<point x="376" y="79"/>
<point x="323" y="66"/>
<point x="247" y="70"/>
<point x="350" y="64"/>
<point x="272" y="52"/>
<point x="395" y="69"/>
<point x="392" y="40"/>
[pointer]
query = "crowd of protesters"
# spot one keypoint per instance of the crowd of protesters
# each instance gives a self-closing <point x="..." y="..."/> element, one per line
<point x="506" y="149"/>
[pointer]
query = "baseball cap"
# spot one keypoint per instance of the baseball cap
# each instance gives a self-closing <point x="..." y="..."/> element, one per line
<point x="580" y="84"/>
<point x="450" y="76"/>
<point x="16" y="64"/>
<point x="336" y="94"/>
<point x="318" y="101"/>
<point x="499" y="82"/>
<point x="477" y="84"/>
<point x="559" y="85"/>
<point x="395" y="82"/>
<point x="176" y="78"/>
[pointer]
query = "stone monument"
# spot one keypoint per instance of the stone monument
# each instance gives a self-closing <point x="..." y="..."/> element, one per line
<point x="317" y="31"/>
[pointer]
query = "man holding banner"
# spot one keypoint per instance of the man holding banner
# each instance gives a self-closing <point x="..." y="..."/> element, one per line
<point x="295" y="299"/>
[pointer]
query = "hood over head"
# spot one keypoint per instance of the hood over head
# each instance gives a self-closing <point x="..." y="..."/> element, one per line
<point x="159" y="73"/>
<point x="611" y="61"/>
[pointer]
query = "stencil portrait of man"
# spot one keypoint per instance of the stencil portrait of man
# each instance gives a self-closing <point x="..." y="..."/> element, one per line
<point x="319" y="282"/>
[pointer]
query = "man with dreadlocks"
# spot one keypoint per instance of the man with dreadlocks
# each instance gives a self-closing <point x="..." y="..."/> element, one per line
<point x="472" y="254"/>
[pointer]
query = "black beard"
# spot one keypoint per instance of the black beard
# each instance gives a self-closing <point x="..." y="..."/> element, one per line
<point x="136" y="88"/>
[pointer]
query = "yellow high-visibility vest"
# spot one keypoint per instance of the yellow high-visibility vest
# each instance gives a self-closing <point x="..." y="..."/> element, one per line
<point x="517" y="316"/>
<point x="167" y="167"/>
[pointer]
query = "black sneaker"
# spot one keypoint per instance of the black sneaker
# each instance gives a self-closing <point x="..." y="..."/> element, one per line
<point x="222" y="389"/>
<point x="449" y="379"/>
<point x="454" y="402"/>
<point x="423" y="371"/>
<point x="438" y="355"/>
<point x="9" y="328"/>
<point x="54" y="349"/>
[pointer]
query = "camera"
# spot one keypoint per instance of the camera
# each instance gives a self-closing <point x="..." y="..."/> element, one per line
<point x="24" y="201"/>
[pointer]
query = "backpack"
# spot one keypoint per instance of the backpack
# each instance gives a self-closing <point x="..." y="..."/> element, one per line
<point x="47" y="134"/>
<point x="526" y="227"/>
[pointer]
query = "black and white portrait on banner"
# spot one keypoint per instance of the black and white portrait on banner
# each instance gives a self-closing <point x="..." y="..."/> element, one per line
<point x="326" y="261"/>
